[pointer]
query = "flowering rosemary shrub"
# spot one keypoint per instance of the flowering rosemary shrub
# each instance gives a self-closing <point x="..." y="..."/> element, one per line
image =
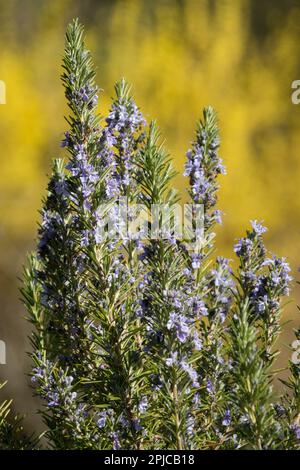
<point x="141" y="343"/>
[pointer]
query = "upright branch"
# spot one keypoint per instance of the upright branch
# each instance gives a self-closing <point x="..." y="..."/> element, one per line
<point x="211" y="285"/>
<point x="262" y="282"/>
<point x="170" y="332"/>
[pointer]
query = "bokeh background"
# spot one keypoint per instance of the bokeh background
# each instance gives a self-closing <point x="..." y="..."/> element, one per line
<point x="240" y="56"/>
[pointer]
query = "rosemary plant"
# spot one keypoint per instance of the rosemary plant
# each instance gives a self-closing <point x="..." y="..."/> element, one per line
<point x="140" y="342"/>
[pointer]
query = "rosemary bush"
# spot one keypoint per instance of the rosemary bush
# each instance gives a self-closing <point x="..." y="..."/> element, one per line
<point x="142" y="343"/>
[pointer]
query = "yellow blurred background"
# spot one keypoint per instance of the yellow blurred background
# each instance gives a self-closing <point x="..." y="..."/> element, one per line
<point x="241" y="56"/>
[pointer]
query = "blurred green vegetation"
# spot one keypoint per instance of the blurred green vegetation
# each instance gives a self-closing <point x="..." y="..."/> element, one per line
<point x="240" y="56"/>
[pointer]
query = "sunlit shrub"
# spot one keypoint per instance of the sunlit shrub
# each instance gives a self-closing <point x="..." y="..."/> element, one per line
<point x="145" y="343"/>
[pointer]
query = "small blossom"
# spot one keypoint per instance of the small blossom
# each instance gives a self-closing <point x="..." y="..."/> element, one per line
<point x="143" y="405"/>
<point x="258" y="228"/>
<point x="191" y="372"/>
<point x="226" y="418"/>
<point x="102" y="419"/>
<point x="295" y="428"/>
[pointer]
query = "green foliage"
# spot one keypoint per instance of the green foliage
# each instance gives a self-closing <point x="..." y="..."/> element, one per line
<point x="12" y="435"/>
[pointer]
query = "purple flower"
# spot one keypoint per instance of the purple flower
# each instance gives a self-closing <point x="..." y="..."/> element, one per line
<point x="190" y="429"/>
<point x="112" y="187"/>
<point x="243" y="248"/>
<point x="53" y="399"/>
<point x="137" y="424"/>
<point x="226" y="418"/>
<point x="123" y="421"/>
<point x="191" y="373"/>
<point x="187" y="272"/>
<point x="180" y="323"/>
<point x="198" y="306"/>
<point x="116" y="442"/>
<point x="61" y="188"/>
<point x="209" y="386"/>
<point x="172" y="360"/>
<point x="196" y="399"/>
<point x="84" y="96"/>
<point x="38" y="373"/>
<point x="85" y="238"/>
<point x="66" y="142"/>
<point x="196" y="260"/>
<point x="221" y="288"/>
<point x="197" y="342"/>
<point x="217" y="214"/>
<point x="174" y="297"/>
<point x="102" y="419"/>
<point x="258" y="228"/>
<point x="295" y="428"/>
<point x="143" y="405"/>
<point x="280" y="275"/>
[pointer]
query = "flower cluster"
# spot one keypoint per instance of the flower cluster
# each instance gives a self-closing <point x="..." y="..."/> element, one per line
<point x="86" y="174"/>
<point x="265" y="280"/>
<point x="119" y="140"/>
<point x="204" y="165"/>
<point x="220" y="286"/>
<point x="58" y="391"/>
<point x="250" y="249"/>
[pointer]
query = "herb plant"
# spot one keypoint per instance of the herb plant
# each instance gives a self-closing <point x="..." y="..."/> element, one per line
<point x="145" y="343"/>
